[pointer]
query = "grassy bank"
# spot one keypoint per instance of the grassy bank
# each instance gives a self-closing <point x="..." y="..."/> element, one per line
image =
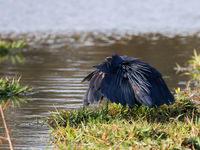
<point x="115" y="127"/>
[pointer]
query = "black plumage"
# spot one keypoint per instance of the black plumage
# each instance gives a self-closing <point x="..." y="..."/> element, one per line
<point x="127" y="80"/>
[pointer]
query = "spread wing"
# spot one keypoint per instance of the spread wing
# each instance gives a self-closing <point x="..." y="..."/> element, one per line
<point x="114" y="87"/>
<point x="117" y="89"/>
<point x="147" y="83"/>
<point x="93" y="92"/>
<point x="159" y="90"/>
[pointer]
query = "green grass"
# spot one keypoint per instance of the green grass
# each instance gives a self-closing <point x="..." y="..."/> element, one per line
<point x="7" y="47"/>
<point x="11" y="89"/>
<point x="193" y="69"/>
<point x="121" y="127"/>
<point x="9" y="50"/>
<point x="175" y="126"/>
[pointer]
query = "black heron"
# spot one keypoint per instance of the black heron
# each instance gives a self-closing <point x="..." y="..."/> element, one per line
<point x="127" y="80"/>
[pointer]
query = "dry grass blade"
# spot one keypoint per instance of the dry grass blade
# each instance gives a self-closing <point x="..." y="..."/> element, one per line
<point x="101" y="140"/>
<point x="6" y="104"/>
<point x="6" y="128"/>
<point x="106" y="142"/>
<point x="1" y="137"/>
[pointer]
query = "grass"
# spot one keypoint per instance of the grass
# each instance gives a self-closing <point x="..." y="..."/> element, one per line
<point x="120" y="127"/>
<point x="192" y="69"/>
<point x="175" y="126"/>
<point x="11" y="89"/>
<point x="8" y="50"/>
<point x="7" y="47"/>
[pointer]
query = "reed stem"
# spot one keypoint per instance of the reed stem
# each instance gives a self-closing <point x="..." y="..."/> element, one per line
<point x="6" y="128"/>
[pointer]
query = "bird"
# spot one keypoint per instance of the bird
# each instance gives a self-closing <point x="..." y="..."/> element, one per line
<point x="127" y="81"/>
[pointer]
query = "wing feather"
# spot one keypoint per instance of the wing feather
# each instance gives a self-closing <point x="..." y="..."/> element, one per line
<point x="160" y="89"/>
<point x="117" y="89"/>
<point x="89" y="76"/>
<point x="147" y="83"/>
<point x="93" y="93"/>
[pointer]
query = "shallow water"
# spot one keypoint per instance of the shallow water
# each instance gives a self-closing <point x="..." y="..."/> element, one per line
<point x="55" y="65"/>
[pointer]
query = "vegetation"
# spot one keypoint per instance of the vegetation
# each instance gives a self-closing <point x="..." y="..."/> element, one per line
<point x="7" y="47"/>
<point x="175" y="126"/>
<point x="193" y="69"/>
<point x="11" y="89"/>
<point x="8" y="50"/>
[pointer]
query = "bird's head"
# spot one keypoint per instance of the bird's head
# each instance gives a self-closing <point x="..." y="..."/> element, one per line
<point x="111" y="64"/>
<point x="116" y="61"/>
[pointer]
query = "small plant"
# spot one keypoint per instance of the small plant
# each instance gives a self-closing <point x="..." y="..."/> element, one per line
<point x="7" y="47"/>
<point x="11" y="89"/>
<point x="194" y="66"/>
<point x="192" y="69"/>
<point x="8" y="50"/>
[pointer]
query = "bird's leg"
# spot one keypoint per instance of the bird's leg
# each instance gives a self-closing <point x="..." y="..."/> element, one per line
<point x="107" y="104"/>
<point x="85" y="99"/>
<point x="99" y="103"/>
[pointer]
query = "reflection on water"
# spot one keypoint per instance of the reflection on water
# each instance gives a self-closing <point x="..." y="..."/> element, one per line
<point x="56" y="64"/>
<point x="16" y="58"/>
<point x="14" y="100"/>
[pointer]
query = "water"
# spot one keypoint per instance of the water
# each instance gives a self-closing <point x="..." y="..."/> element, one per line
<point x="66" y="38"/>
<point x="135" y="16"/>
